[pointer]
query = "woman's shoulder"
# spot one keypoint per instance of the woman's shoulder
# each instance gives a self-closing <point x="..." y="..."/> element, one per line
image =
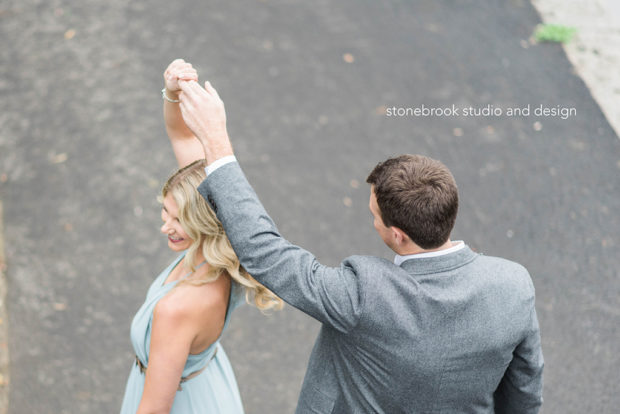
<point x="188" y="300"/>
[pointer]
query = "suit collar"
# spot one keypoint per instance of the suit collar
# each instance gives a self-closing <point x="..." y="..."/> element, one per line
<point x="456" y="245"/>
<point x="437" y="264"/>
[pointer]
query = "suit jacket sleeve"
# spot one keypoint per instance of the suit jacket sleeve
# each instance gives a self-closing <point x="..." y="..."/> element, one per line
<point x="330" y="295"/>
<point x="520" y="391"/>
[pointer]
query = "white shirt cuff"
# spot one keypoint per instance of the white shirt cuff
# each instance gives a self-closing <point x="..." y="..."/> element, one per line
<point x="218" y="163"/>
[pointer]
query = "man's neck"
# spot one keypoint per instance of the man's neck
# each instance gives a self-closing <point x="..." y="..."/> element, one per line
<point x="413" y="248"/>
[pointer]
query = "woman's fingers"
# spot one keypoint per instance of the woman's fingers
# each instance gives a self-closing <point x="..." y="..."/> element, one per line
<point x="185" y="68"/>
<point x="182" y="69"/>
<point x="188" y="76"/>
<point x="175" y="64"/>
<point x="178" y="67"/>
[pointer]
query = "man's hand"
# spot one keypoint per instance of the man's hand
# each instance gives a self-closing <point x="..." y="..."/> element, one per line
<point x="178" y="70"/>
<point x="204" y="114"/>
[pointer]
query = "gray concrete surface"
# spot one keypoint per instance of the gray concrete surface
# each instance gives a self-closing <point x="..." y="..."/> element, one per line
<point x="594" y="50"/>
<point x="306" y="85"/>
<point x="5" y="379"/>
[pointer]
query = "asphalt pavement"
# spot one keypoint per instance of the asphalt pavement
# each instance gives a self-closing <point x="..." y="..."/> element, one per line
<point x="308" y="88"/>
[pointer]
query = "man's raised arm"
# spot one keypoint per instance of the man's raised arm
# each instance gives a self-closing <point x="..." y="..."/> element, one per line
<point x="330" y="295"/>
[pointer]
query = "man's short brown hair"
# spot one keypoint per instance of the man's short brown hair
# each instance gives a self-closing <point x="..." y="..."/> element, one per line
<point x="418" y="195"/>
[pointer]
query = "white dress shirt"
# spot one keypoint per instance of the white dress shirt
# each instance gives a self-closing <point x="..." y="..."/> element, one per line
<point x="456" y="246"/>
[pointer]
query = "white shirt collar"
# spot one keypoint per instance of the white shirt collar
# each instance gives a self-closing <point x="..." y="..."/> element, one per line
<point x="456" y="246"/>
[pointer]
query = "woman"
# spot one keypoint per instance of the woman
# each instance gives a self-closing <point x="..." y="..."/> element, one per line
<point x="180" y="366"/>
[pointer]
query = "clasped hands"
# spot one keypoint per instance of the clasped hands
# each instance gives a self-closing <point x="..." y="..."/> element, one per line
<point x="202" y="109"/>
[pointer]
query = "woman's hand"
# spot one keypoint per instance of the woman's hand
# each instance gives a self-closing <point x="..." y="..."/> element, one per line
<point x="178" y="70"/>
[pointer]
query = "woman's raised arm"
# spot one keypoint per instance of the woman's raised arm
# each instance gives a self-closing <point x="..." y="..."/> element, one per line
<point x="185" y="145"/>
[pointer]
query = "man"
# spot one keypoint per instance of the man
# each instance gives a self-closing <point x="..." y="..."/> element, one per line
<point x="440" y="330"/>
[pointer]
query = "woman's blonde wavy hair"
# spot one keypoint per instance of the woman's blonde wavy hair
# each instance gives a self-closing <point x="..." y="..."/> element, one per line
<point x="203" y="227"/>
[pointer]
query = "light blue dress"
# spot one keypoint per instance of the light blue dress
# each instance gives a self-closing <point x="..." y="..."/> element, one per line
<point x="214" y="390"/>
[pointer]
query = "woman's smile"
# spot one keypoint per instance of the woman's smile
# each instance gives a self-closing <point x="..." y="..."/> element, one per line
<point x="175" y="239"/>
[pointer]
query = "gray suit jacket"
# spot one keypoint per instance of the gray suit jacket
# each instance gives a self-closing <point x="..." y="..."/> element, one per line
<point x="450" y="334"/>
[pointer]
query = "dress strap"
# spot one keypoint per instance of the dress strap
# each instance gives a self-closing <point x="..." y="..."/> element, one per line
<point x="197" y="267"/>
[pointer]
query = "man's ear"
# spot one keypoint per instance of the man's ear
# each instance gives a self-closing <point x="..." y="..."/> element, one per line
<point x="400" y="237"/>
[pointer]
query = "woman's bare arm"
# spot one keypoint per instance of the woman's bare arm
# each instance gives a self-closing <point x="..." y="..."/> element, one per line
<point x="171" y="337"/>
<point x="185" y="145"/>
<point x="180" y="319"/>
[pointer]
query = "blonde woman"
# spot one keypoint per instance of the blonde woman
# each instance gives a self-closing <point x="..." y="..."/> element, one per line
<point x="180" y="366"/>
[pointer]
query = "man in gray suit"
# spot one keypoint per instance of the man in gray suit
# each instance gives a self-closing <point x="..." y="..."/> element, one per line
<point x="439" y="330"/>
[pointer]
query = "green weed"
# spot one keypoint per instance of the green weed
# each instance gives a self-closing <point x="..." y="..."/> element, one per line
<point x="554" y="33"/>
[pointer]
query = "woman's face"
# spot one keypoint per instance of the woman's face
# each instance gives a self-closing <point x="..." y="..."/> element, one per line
<point x="178" y="240"/>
